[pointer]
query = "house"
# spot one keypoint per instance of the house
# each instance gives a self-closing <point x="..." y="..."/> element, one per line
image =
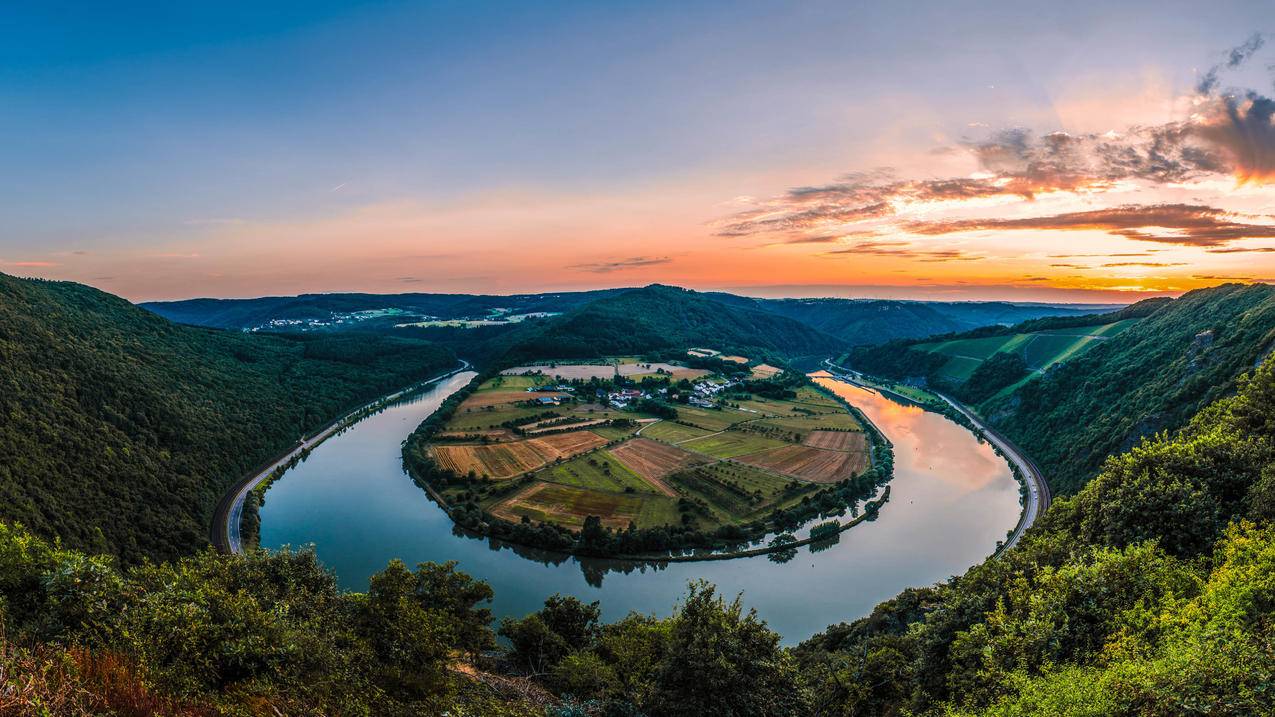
<point x="548" y="401"/>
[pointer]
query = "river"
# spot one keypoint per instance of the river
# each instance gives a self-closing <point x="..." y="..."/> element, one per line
<point x="952" y="499"/>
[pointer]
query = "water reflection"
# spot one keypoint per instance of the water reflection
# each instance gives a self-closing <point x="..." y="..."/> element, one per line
<point x="951" y="500"/>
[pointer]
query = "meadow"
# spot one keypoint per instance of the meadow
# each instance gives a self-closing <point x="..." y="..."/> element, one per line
<point x="1039" y="350"/>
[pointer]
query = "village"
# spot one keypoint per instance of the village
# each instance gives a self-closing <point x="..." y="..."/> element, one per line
<point x="702" y="393"/>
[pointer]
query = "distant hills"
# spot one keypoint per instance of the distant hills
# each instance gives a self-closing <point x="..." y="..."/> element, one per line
<point x="875" y="321"/>
<point x="664" y="317"/>
<point x="851" y="321"/>
<point x="121" y="430"/>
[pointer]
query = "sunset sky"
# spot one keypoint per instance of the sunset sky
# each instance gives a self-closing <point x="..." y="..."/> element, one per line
<point x="1030" y="151"/>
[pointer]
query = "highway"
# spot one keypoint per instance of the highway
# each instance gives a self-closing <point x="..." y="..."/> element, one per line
<point x="228" y="516"/>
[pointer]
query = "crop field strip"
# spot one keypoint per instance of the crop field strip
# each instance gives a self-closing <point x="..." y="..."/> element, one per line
<point x="507" y="460"/>
<point x="724" y="458"/>
<point x="731" y="444"/>
<point x="568" y="506"/>
<point x="673" y="432"/>
<point x="600" y="470"/>
<point x="1040" y="349"/>
<point x="812" y="464"/>
<point x="653" y="460"/>
<point x="836" y="440"/>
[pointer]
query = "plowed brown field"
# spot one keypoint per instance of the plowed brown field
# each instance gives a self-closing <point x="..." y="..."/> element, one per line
<point x="836" y="440"/>
<point x="812" y="464"/>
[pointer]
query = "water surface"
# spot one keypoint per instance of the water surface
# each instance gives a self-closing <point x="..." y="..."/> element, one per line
<point x="952" y="499"/>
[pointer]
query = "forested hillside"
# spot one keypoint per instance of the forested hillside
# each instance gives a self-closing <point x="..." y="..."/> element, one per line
<point x="1150" y="592"/>
<point x="121" y="429"/>
<point x="1153" y="376"/>
<point x="248" y="313"/>
<point x="1171" y="358"/>
<point x="659" y="317"/>
<point x="876" y="321"/>
<point x="855" y="321"/>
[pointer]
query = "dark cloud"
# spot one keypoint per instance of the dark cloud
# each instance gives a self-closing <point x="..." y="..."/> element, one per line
<point x="1229" y="133"/>
<point x="620" y="264"/>
<point x="1188" y="224"/>
<point x="1240" y="126"/>
<point x="1237" y="56"/>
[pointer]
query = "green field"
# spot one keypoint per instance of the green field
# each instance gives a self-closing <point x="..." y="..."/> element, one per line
<point x="671" y="432"/>
<point x="511" y="383"/>
<point x="712" y="419"/>
<point x="731" y="444"/>
<point x="802" y="425"/>
<point x="730" y="491"/>
<point x="479" y="419"/>
<point x="597" y="483"/>
<point x="568" y="505"/>
<point x="613" y="434"/>
<point x="598" y="469"/>
<point x="1039" y="350"/>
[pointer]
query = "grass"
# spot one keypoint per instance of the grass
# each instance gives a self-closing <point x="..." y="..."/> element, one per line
<point x="712" y="419"/>
<point x="671" y="432"/>
<point x="598" y="470"/>
<point x="614" y="434"/>
<point x="510" y="383"/>
<point x="731" y="444"/>
<point x="803" y="425"/>
<point x="1039" y="350"/>
<point x="598" y="483"/>
<point x="464" y="420"/>
<point x="728" y="489"/>
<point x="568" y="506"/>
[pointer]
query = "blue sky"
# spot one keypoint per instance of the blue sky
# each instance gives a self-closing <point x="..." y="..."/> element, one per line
<point x="333" y="146"/>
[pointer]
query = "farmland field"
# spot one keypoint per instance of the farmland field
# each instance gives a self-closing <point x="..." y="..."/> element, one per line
<point x="712" y="419"/>
<point x="735" y="491"/>
<point x="812" y="464"/>
<point x="671" y="432"/>
<point x="802" y="425"/>
<point x="731" y="444"/>
<point x="506" y="460"/>
<point x="727" y="465"/>
<point x="836" y="440"/>
<point x="1039" y="350"/>
<point x="598" y="470"/>
<point x="567" y="371"/>
<point x="568" y="506"/>
<point x="764" y="371"/>
<point x="653" y="460"/>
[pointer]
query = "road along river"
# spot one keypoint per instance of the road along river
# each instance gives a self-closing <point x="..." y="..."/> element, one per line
<point x="951" y="500"/>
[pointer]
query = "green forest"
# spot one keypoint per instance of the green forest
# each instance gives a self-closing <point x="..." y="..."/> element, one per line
<point x="1178" y="356"/>
<point x="1148" y="591"/>
<point x="121" y="430"/>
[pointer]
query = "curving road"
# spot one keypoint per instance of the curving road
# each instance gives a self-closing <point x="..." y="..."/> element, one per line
<point x="1038" y="495"/>
<point x="228" y="515"/>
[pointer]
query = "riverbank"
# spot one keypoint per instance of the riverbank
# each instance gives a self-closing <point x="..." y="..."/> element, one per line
<point x="1037" y="496"/>
<point x="225" y="534"/>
